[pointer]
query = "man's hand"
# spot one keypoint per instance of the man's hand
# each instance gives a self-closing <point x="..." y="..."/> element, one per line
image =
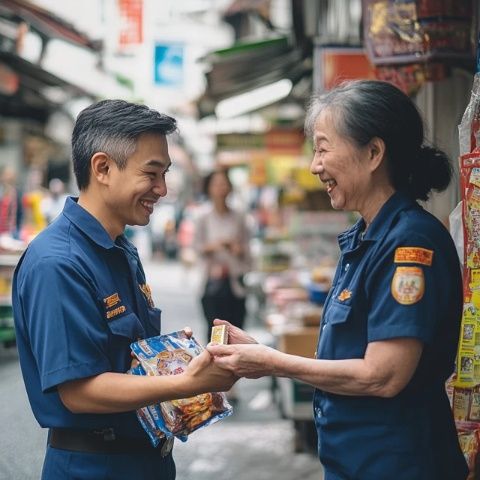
<point x="206" y="376"/>
<point x="187" y="331"/>
<point x="235" y="334"/>
<point x="244" y="360"/>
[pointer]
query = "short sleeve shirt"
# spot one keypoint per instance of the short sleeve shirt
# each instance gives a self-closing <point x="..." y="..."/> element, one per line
<point x="79" y="300"/>
<point x="401" y="279"/>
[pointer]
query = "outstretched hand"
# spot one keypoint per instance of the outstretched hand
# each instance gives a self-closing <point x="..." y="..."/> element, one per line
<point x="244" y="360"/>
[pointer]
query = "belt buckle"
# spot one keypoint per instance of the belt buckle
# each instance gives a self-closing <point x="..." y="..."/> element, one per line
<point x="167" y="447"/>
<point x="107" y="434"/>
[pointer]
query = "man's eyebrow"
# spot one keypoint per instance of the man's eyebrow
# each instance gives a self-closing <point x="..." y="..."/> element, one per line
<point x="158" y="163"/>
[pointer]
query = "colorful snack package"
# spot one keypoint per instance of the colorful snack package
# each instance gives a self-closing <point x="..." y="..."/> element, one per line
<point x="468" y="438"/>
<point x="169" y="355"/>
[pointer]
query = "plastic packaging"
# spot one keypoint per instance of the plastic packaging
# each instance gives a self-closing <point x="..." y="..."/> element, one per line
<point x="169" y="355"/>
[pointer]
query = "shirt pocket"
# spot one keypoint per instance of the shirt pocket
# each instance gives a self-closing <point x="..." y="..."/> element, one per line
<point x="338" y="313"/>
<point x="127" y="326"/>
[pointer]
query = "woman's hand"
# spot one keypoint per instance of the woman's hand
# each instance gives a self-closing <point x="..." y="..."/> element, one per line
<point x="245" y="360"/>
<point x="235" y="334"/>
<point x="206" y="376"/>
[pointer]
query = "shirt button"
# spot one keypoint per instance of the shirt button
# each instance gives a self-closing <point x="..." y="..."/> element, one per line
<point x="318" y="412"/>
<point x="347" y="266"/>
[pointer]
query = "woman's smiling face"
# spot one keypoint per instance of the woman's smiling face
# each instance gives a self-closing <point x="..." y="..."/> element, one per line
<point x="339" y="164"/>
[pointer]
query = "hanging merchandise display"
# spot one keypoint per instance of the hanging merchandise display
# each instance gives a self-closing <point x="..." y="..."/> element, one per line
<point x="414" y="41"/>
<point x="464" y="387"/>
<point x="414" y="31"/>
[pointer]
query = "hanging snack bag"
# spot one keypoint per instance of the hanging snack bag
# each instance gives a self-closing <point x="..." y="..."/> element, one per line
<point x="469" y="128"/>
<point x="169" y="355"/>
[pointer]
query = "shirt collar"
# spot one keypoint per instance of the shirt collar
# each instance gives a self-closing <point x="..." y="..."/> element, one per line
<point x="87" y="223"/>
<point x="380" y="224"/>
<point x="387" y="214"/>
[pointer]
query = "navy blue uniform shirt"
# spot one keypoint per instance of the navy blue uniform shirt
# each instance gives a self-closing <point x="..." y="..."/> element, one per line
<point x="401" y="280"/>
<point x="79" y="300"/>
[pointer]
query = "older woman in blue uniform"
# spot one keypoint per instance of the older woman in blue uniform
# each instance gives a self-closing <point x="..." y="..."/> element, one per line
<point x="391" y="320"/>
<point x="80" y="298"/>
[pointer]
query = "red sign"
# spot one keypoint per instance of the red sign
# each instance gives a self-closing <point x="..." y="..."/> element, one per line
<point x="285" y="141"/>
<point x="131" y="22"/>
<point x="339" y="64"/>
<point x="9" y="81"/>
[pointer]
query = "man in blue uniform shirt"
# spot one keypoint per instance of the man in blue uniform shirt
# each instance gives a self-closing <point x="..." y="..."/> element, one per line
<point x="80" y="298"/>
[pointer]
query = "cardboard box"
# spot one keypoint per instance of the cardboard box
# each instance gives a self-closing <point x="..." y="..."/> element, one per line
<point x="295" y="399"/>
<point x="302" y="341"/>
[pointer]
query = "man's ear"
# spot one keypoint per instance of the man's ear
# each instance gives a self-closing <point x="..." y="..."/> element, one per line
<point x="376" y="151"/>
<point x="101" y="165"/>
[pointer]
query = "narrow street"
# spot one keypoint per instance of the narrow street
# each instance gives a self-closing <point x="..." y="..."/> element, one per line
<point x="255" y="443"/>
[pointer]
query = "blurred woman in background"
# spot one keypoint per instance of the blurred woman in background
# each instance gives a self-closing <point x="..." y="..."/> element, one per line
<point x="222" y="241"/>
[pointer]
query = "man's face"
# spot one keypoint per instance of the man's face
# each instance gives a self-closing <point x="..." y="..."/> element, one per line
<point x="134" y="190"/>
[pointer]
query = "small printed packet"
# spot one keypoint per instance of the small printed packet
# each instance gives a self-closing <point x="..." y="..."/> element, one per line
<point x="219" y="334"/>
<point x="170" y="355"/>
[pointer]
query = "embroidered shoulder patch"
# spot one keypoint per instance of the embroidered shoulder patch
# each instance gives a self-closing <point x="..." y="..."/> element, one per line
<point x="419" y="255"/>
<point x="408" y="285"/>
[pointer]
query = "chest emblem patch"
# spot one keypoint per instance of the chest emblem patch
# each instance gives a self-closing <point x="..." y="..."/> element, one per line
<point x="147" y="291"/>
<point x="345" y="295"/>
<point x="408" y="285"/>
<point x="112" y="300"/>
<point x="423" y="256"/>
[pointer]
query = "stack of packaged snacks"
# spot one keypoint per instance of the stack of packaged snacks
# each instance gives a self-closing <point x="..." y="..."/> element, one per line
<point x="464" y="387"/>
<point x="170" y="355"/>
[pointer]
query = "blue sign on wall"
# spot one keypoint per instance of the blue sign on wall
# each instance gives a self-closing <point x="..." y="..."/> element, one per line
<point x="169" y="64"/>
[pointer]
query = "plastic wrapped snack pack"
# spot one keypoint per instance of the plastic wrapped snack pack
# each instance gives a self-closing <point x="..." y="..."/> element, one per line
<point x="169" y="355"/>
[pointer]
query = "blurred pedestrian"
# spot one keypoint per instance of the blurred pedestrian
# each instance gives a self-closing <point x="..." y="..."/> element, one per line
<point x="391" y="321"/>
<point x="11" y="209"/>
<point x="222" y="241"/>
<point x="80" y="298"/>
<point x="34" y="220"/>
<point x="52" y="204"/>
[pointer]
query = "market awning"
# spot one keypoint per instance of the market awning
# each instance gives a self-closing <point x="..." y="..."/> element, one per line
<point x="248" y="66"/>
<point x="36" y="91"/>
<point x="240" y="6"/>
<point x="45" y="23"/>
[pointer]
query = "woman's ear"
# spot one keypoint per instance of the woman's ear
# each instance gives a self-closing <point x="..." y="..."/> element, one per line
<point x="376" y="151"/>
<point x="101" y="167"/>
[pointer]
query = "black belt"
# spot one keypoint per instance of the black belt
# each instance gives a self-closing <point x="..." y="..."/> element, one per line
<point x="103" y="441"/>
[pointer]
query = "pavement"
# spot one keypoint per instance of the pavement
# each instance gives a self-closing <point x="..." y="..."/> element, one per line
<point x="255" y="443"/>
